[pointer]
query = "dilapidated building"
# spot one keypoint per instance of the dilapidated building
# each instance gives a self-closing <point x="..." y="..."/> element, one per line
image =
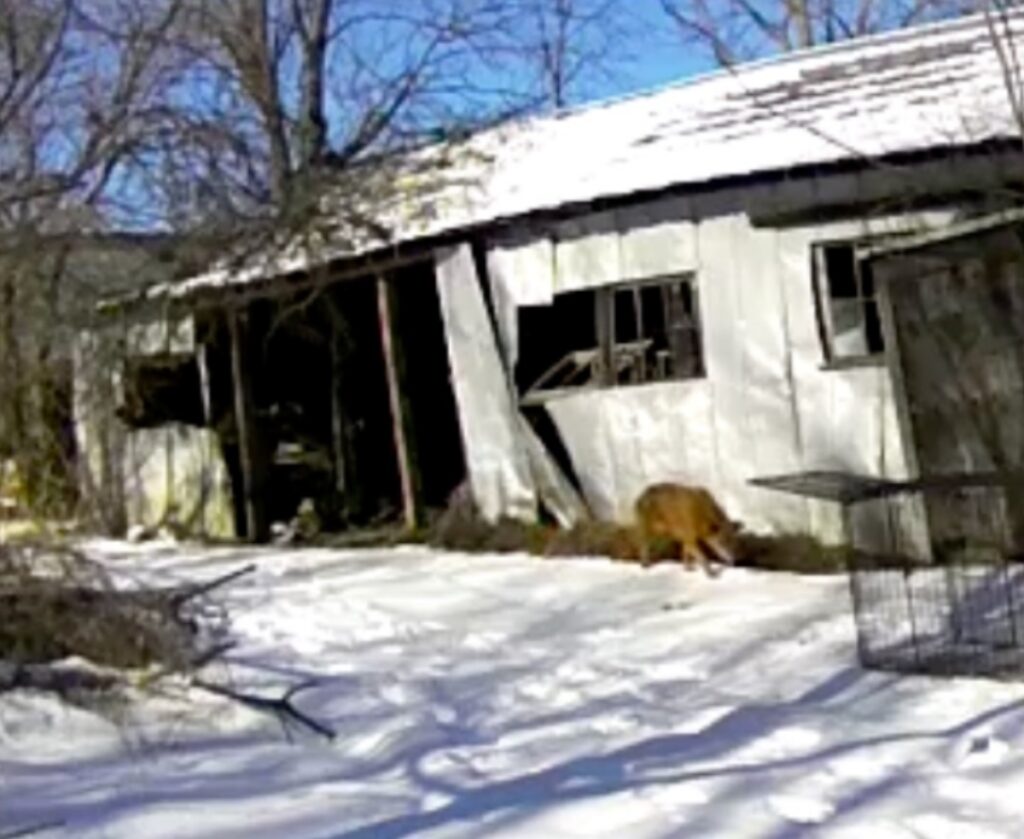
<point x="669" y="286"/>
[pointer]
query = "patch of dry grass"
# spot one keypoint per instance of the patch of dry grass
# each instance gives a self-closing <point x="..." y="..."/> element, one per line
<point x="798" y="553"/>
<point x="462" y="528"/>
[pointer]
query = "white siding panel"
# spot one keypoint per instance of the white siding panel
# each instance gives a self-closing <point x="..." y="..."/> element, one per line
<point x="767" y="405"/>
<point x="522" y="274"/>
<point x="525" y="271"/>
<point x="724" y="328"/>
<point x="665" y="248"/>
<point x="496" y="458"/>
<point x="587" y="253"/>
<point x="585" y="428"/>
<point x="622" y="440"/>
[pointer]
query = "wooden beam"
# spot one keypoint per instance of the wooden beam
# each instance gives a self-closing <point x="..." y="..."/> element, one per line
<point x="205" y="387"/>
<point x="257" y="527"/>
<point x="398" y="414"/>
<point x="346" y="479"/>
<point x="338" y="416"/>
<point x="604" y="327"/>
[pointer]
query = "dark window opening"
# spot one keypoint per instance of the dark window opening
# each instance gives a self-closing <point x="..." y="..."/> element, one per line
<point x="847" y="303"/>
<point x="161" y="389"/>
<point x="623" y="335"/>
<point x="558" y="343"/>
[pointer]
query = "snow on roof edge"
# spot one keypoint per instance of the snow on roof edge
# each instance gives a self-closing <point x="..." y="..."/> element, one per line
<point x="538" y="128"/>
<point x="860" y="43"/>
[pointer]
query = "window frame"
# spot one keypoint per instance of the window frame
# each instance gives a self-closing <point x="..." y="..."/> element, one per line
<point x="823" y="303"/>
<point x="668" y="285"/>
<point x="602" y="360"/>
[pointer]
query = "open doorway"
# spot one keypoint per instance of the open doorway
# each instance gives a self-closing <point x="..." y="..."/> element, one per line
<point x="432" y="418"/>
<point x="338" y="411"/>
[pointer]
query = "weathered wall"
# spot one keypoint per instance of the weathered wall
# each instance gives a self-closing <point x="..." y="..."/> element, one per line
<point x="174" y="474"/>
<point x="496" y="455"/>
<point x="767" y="406"/>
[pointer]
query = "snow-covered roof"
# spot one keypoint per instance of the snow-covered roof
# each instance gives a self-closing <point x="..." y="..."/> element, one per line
<point x="913" y="90"/>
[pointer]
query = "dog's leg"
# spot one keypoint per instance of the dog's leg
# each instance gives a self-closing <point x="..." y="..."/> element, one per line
<point x="644" y="545"/>
<point x="689" y="555"/>
<point x="722" y="553"/>
<point x="710" y="558"/>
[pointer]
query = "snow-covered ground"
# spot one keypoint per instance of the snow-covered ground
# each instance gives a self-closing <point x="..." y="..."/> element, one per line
<point x="508" y="696"/>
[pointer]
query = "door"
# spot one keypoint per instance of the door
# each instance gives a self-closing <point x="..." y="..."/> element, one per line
<point x="954" y="323"/>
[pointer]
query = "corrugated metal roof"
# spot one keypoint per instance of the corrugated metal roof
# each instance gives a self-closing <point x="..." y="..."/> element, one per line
<point x="912" y="90"/>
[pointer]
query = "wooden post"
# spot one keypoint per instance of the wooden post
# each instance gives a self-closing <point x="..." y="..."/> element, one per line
<point x="337" y="416"/>
<point x="345" y="480"/>
<point x="604" y="327"/>
<point x="398" y="419"/>
<point x="255" y="520"/>
<point x="203" y="363"/>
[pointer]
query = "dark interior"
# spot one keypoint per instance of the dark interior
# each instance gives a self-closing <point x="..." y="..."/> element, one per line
<point x="322" y="409"/>
<point x="548" y="333"/>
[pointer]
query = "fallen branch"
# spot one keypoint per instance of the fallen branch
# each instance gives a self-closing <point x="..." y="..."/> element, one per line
<point x="182" y="596"/>
<point x="281" y="707"/>
<point x="59" y="606"/>
<point x="212" y="654"/>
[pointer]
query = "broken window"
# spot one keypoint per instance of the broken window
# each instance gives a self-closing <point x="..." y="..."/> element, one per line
<point x="161" y="389"/>
<point x="849" y="319"/>
<point x="656" y="333"/>
<point x="621" y="335"/>
<point x="558" y="343"/>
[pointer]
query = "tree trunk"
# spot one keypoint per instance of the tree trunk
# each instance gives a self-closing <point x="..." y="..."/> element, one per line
<point x="10" y="358"/>
<point x="399" y="409"/>
<point x="313" y="28"/>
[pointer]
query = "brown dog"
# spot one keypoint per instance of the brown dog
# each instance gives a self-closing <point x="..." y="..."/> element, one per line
<point x="691" y="517"/>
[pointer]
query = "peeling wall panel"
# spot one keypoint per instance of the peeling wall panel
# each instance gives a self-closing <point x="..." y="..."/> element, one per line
<point x="623" y="439"/>
<point x="521" y="274"/>
<point x="525" y="270"/>
<point x="144" y="477"/>
<point x="496" y="458"/>
<point x="585" y="427"/>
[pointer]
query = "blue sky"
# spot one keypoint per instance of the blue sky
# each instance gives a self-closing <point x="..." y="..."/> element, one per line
<point x="650" y="54"/>
<point x="660" y="56"/>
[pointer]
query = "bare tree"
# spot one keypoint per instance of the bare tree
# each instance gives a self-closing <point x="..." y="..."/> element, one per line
<point x="732" y="31"/>
<point x="231" y="122"/>
<point x="78" y="84"/>
<point x="574" y="44"/>
<point x="280" y="91"/>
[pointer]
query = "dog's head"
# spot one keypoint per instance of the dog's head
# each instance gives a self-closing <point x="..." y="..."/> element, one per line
<point x="727" y="541"/>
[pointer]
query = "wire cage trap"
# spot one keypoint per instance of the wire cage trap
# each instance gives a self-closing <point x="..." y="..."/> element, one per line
<point x="936" y="569"/>
<point x="946" y="619"/>
<point x="957" y="608"/>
